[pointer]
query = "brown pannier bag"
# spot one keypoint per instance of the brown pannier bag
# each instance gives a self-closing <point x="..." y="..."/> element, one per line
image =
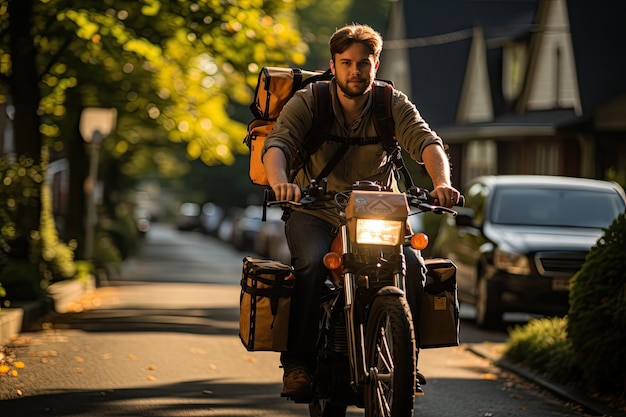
<point x="264" y="304"/>
<point x="439" y="312"/>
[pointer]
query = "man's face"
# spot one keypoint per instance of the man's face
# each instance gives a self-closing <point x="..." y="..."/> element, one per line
<point x="354" y="70"/>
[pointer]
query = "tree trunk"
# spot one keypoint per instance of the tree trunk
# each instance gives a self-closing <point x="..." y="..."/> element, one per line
<point x="24" y="81"/>
<point x="25" y="96"/>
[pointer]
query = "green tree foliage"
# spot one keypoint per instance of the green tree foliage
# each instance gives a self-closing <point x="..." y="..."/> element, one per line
<point x="597" y="314"/>
<point x="171" y="68"/>
<point x="19" y="190"/>
<point x="168" y="63"/>
<point x="20" y="268"/>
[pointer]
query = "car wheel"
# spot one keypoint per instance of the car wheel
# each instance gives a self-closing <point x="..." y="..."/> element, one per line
<point x="488" y="312"/>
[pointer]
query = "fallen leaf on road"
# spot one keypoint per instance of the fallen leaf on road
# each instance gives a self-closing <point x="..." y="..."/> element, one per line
<point x="249" y="359"/>
<point x="18" y="364"/>
<point x="490" y="376"/>
<point x="152" y="367"/>
<point x="207" y="392"/>
<point x="150" y="378"/>
<point x="14" y="373"/>
<point x="4" y="369"/>
<point x="19" y="392"/>
<point x="132" y="357"/>
<point x="79" y="359"/>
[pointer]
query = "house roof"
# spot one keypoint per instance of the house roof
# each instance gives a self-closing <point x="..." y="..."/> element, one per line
<point x="438" y="70"/>
<point x="536" y="123"/>
<point x="438" y="67"/>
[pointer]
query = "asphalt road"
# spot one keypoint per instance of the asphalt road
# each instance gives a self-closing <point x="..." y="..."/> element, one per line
<point x="162" y="340"/>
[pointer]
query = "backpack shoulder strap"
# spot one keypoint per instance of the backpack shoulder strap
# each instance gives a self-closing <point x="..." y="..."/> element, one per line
<point x="322" y="116"/>
<point x="383" y="118"/>
<point x="385" y="128"/>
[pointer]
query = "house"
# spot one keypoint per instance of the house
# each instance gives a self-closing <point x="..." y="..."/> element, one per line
<point x="516" y="86"/>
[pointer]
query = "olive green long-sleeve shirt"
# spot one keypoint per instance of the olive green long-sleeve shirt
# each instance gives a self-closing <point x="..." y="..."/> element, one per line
<point x="360" y="162"/>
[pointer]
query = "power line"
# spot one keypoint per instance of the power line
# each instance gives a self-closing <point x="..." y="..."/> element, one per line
<point x="428" y="40"/>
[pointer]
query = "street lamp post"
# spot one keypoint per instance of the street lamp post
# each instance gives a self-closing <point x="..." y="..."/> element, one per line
<point x="95" y="125"/>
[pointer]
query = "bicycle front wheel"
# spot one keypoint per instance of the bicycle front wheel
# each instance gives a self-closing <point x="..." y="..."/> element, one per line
<point x="390" y="355"/>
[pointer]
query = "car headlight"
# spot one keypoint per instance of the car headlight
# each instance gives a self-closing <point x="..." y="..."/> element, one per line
<point x="513" y="263"/>
<point x="379" y="232"/>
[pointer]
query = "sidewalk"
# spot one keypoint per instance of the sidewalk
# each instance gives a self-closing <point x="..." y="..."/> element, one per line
<point x="493" y="352"/>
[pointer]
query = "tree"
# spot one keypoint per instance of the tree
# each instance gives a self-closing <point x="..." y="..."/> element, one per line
<point x="170" y="68"/>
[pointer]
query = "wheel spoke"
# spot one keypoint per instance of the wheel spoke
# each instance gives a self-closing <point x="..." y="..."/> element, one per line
<point x="384" y="352"/>
<point x="384" y="372"/>
<point x="384" y="408"/>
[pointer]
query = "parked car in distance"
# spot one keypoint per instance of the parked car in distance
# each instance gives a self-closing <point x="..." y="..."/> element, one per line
<point x="188" y="217"/>
<point x="519" y="240"/>
<point x="210" y="218"/>
<point x="226" y="228"/>
<point x="246" y="228"/>
<point x="271" y="241"/>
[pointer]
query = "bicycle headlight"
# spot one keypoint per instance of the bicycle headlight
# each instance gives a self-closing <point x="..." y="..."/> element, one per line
<point x="379" y="232"/>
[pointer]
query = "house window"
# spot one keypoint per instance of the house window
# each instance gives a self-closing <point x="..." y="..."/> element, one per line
<point x="546" y="159"/>
<point x="480" y="159"/>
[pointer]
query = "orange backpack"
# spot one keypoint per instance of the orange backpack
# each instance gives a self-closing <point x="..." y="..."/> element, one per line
<point x="274" y="89"/>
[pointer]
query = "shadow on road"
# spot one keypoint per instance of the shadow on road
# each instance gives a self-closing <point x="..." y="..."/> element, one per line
<point x="189" y="398"/>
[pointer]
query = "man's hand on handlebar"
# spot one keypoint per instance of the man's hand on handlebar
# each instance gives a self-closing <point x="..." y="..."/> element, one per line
<point x="445" y="195"/>
<point x="287" y="192"/>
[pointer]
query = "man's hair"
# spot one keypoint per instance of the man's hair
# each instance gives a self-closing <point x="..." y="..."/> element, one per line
<point x="355" y="33"/>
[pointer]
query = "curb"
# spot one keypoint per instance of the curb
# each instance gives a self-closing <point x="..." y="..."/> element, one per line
<point x="591" y="406"/>
<point x="23" y="316"/>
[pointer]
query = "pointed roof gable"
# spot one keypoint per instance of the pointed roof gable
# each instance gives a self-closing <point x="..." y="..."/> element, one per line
<point x="551" y="81"/>
<point x="475" y="104"/>
<point x="439" y="69"/>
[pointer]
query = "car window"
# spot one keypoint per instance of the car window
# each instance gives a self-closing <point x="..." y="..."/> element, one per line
<point x="552" y="207"/>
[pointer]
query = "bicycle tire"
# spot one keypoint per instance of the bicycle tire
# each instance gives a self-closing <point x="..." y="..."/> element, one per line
<point x="390" y="358"/>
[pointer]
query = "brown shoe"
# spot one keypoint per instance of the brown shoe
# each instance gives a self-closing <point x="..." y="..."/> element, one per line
<point x="296" y="383"/>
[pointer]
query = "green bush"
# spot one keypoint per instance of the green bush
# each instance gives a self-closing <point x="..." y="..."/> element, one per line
<point x="543" y="345"/>
<point x="29" y="258"/>
<point x="597" y="314"/>
<point x="58" y="257"/>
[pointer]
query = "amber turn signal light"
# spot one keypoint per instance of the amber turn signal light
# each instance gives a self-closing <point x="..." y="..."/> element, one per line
<point x="419" y="241"/>
<point x="332" y="260"/>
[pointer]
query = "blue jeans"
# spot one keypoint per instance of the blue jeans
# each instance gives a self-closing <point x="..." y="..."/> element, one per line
<point x="309" y="239"/>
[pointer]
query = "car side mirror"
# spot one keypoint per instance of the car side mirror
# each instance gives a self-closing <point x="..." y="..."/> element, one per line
<point x="465" y="217"/>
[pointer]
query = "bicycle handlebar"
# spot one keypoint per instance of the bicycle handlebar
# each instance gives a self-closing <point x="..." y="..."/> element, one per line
<point x="419" y="198"/>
